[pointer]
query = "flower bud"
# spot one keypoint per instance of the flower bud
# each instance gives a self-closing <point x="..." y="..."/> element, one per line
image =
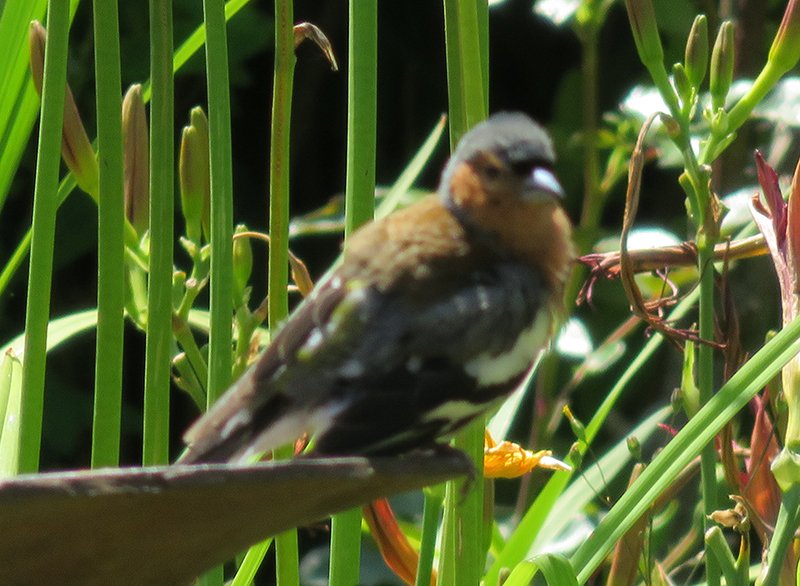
<point x="696" y="57"/>
<point x="671" y="125"/>
<point x="785" y="50"/>
<point x="577" y="427"/>
<point x="186" y="379"/>
<point x="681" y="83"/>
<point x="645" y="31"/>
<point x="634" y="447"/>
<point x="719" y="122"/>
<point x="194" y="172"/>
<point x="76" y="150"/>
<point x="722" y="59"/>
<point x="242" y="261"/>
<point x="178" y="287"/>
<point x="575" y="455"/>
<point x="137" y="162"/>
<point x="786" y="468"/>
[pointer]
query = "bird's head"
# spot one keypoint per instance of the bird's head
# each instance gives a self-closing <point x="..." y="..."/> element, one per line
<point x="500" y="182"/>
<point x="505" y="161"/>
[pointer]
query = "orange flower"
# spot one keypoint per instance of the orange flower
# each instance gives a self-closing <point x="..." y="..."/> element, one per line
<point x="396" y="550"/>
<point x="503" y="460"/>
<point x="510" y="460"/>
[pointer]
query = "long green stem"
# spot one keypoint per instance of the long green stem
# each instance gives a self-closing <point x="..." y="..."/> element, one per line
<point x="155" y="444"/>
<point x="278" y="299"/>
<point x="345" y="558"/>
<point x="362" y="88"/>
<point x="466" y="38"/>
<point x="431" y="511"/>
<point x="220" y="358"/>
<point x="593" y="197"/>
<point x="705" y="383"/>
<point x="110" y="239"/>
<point x="45" y="204"/>
<point x="278" y="302"/>
<point x="699" y="196"/>
<point x="785" y="529"/>
<point x="219" y="123"/>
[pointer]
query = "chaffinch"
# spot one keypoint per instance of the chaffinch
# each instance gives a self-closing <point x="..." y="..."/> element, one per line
<point x="435" y="315"/>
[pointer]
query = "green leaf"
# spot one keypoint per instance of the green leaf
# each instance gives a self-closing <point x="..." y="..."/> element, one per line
<point x="555" y="568"/>
<point x="10" y="391"/>
<point x="58" y="331"/>
<point x="19" y="104"/>
<point x="685" y="446"/>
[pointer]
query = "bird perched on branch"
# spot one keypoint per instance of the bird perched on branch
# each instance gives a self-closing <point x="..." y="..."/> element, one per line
<point x="435" y="315"/>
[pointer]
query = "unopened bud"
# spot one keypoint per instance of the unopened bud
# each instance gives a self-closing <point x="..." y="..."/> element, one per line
<point x="634" y="447"/>
<point x="577" y="427"/>
<point x="719" y="122"/>
<point x="696" y="57"/>
<point x="178" y="287"/>
<point x="671" y="125"/>
<point x="645" y="31"/>
<point x="137" y="161"/>
<point x="785" y="50"/>
<point x="195" y="176"/>
<point x="76" y="150"/>
<point x="681" y="82"/>
<point x="575" y="455"/>
<point x="722" y="60"/>
<point x="242" y="261"/>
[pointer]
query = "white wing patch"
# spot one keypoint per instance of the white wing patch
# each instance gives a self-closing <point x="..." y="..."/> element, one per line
<point x="491" y="369"/>
<point x="290" y="427"/>
<point x="455" y="411"/>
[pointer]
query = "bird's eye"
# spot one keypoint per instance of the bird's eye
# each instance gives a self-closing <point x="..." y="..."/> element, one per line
<point x="523" y="168"/>
<point x="492" y="172"/>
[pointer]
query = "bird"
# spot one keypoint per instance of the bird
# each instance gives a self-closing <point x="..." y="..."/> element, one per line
<point x="435" y="315"/>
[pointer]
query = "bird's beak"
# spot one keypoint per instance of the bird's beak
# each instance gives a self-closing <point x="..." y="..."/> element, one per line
<point x="542" y="182"/>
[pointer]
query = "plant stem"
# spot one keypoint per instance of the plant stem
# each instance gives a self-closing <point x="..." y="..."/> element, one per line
<point x="278" y="302"/>
<point x="37" y="310"/>
<point x="362" y="88"/>
<point x="785" y="529"/>
<point x="593" y="197"/>
<point x="155" y="448"/>
<point x="466" y="37"/>
<point x="431" y="511"/>
<point x="705" y="383"/>
<point x="110" y="239"/>
<point x="219" y="124"/>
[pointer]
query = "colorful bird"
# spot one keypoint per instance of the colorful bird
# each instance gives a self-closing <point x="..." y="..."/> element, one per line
<point x="436" y="314"/>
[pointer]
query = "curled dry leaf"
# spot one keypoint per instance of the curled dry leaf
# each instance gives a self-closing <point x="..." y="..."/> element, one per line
<point x="306" y="30"/>
<point x="641" y="308"/>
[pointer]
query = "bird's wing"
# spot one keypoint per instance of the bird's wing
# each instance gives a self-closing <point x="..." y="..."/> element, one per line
<point x="261" y="391"/>
<point x="372" y="371"/>
<point x="425" y="369"/>
<point x="373" y="352"/>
